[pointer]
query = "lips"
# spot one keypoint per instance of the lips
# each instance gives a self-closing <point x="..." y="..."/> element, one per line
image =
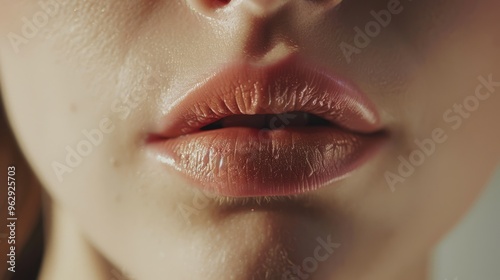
<point x="274" y="130"/>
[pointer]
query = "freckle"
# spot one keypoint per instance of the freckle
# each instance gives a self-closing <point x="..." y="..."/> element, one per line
<point x="72" y="108"/>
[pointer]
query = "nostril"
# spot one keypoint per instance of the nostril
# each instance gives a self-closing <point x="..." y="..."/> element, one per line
<point x="207" y="7"/>
<point x="219" y="3"/>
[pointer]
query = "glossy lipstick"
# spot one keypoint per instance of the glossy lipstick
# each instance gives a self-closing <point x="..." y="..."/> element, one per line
<point x="274" y="130"/>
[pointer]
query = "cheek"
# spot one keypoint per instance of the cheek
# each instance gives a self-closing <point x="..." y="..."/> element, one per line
<point x="89" y="78"/>
<point x="449" y="152"/>
<point x="48" y="109"/>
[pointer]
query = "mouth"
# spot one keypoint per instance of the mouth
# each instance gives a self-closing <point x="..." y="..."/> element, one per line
<point x="277" y="130"/>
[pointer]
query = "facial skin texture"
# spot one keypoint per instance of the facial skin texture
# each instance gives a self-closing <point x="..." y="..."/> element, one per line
<point x="123" y="63"/>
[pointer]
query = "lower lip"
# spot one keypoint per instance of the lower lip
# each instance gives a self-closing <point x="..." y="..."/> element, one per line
<point x="246" y="162"/>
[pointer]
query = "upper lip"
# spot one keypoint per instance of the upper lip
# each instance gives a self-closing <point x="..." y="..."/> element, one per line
<point x="289" y="85"/>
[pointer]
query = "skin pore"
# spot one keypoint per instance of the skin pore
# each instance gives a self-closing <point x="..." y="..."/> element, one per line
<point x="116" y="66"/>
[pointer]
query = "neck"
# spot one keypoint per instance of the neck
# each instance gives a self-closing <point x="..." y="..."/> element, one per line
<point x="68" y="255"/>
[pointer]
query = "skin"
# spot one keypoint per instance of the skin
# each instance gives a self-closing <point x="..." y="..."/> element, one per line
<point x="118" y="210"/>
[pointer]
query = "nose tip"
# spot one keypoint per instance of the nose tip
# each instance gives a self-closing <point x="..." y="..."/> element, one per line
<point x="257" y="7"/>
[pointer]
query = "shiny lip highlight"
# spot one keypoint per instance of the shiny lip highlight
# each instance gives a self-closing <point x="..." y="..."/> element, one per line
<point x="245" y="161"/>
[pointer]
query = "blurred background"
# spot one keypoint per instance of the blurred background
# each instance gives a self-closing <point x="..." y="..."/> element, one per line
<point x="472" y="250"/>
